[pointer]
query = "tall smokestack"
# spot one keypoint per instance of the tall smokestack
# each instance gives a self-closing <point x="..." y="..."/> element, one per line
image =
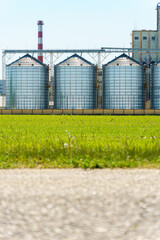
<point x="40" y="39"/>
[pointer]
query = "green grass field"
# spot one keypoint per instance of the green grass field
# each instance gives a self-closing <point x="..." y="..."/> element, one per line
<point x="79" y="141"/>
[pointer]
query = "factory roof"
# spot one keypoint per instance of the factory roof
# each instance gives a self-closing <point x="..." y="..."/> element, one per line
<point x="75" y="60"/>
<point x="26" y="60"/>
<point x="121" y="60"/>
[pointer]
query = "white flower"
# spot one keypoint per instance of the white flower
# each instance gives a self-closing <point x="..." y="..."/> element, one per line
<point x="153" y="137"/>
<point x="65" y="145"/>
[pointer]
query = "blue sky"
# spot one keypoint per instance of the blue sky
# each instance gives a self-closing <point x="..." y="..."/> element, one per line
<point x="74" y="24"/>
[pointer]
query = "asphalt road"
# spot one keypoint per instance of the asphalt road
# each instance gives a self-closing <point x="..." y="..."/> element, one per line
<point x="78" y="204"/>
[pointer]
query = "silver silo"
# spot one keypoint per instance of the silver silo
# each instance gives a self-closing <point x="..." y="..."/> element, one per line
<point x="155" y="86"/>
<point x="75" y="84"/>
<point x="123" y="84"/>
<point x="2" y="87"/>
<point x="26" y="84"/>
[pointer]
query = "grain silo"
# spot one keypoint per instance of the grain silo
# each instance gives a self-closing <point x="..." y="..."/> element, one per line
<point x="2" y="87"/>
<point x="26" y="84"/>
<point x="155" y="86"/>
<point x="123" y="84"/>
<point x="75" y="84"/>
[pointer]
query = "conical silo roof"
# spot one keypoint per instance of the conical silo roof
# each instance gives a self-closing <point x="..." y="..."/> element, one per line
<point x="123" y="60"/>
<point x="27" y="60"/>
<point x="75" y="60"/>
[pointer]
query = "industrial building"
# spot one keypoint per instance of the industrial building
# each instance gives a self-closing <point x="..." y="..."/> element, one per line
<point x="27" y="84"/>
<point x="147" y="39"/>
<point x="78" y="83"/>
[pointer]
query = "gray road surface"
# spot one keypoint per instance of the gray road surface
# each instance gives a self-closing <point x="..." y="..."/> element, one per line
<point x="78" y="204"/>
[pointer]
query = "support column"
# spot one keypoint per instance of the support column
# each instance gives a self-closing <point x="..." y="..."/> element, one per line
<point x="4" y="66"/>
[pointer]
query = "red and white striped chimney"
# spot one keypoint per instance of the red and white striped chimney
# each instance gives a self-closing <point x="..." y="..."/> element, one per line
<point x="40" y="39"/>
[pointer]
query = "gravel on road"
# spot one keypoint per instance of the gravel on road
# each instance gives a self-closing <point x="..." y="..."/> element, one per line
<point x="75" y="204"/>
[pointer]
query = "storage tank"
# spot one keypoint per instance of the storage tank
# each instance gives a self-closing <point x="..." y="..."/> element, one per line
<point x="2" y="87"/>
<point x="155" y="86"/>
<point x="123" y="84"/>
<point x="26" y="84"/>
<point x="75" y="84"/>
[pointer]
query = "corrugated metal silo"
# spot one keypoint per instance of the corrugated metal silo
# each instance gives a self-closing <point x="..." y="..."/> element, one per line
<point x="75" y="84"/>
<point x="155" y="88"/>
<point x="2" y="87"/>
<point x="123" y="84"/>
<point x="26" y="84"/>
